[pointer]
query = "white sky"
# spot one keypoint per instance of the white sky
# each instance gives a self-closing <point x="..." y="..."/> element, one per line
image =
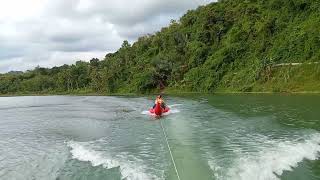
<point x="56" y="32"/>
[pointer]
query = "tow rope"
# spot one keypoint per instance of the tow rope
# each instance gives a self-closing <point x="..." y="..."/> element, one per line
<point x="173" y="162"/>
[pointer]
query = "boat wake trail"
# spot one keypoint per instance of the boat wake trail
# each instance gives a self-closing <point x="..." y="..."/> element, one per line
<point x="172" y="111"/>
<point x="128" y="169"/>
<point x="145" y="112"/>
<point x="270" y="163"/>
<point x="174" y="105"/>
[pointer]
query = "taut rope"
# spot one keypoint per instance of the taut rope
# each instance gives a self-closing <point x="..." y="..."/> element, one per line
<point x="174" y="164"/>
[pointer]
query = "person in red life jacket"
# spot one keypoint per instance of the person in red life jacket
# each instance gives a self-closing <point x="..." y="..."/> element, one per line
<point x="159" y="100"/>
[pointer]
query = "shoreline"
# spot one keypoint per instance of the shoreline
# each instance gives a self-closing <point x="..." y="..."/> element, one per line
<point x="166" y="93"/>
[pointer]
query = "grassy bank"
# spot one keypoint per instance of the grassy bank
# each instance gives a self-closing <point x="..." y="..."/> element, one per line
<point x="301" y="79"/>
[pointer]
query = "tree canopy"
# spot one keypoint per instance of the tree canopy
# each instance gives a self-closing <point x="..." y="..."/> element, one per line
<point x="230" y="44"/>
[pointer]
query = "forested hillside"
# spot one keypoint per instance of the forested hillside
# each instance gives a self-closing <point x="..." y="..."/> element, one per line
<point x="231" y="45"/>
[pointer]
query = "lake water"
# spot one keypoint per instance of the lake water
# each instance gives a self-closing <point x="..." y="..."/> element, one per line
<point x="236" y="137"/>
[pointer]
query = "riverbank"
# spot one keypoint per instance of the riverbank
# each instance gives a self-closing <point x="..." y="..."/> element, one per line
<point x="301" y="79"/>
<point x="167" y="92"/>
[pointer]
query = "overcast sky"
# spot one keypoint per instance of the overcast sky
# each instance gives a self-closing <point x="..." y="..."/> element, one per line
<point x="57" y="32"/>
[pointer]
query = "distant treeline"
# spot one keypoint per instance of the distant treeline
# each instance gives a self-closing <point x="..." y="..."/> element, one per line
<point x="230" y="45"/>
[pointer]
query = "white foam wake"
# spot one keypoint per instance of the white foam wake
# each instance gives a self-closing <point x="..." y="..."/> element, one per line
<point x="129" y="170"/>
<point x="174" y="105"/>
<point x="270" y="163"/>
<point x="172" y="111"/>
<point x="146" y="112"/>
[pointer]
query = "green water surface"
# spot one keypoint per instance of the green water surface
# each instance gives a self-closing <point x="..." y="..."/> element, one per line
<point x="249" y="137"/>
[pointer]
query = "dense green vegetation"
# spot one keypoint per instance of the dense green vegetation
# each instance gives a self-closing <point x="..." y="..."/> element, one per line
<point x="231" y="45"/>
